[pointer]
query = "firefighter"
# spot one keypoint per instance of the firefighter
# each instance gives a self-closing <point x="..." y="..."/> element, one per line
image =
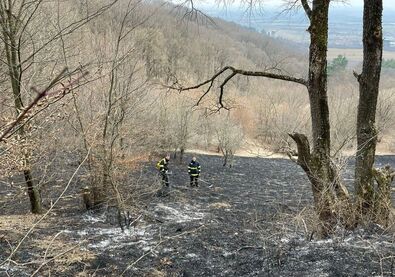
<point x="163" y="168"/>
<point x="194" y="171"/>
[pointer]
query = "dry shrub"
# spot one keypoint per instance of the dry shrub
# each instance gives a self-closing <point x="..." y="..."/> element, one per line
<point x="391" y="225"/>
<point x="19" y="223"/>
<point x="55" y="247"/>
<point x="306" y="221"/>
<point x="14" y="152"/>
<point x="132" y="163"/>
<point x="347" y="217"/>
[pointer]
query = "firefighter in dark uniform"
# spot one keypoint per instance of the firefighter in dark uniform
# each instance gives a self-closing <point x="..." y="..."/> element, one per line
<point x="163" y="168"/>
<point x="194" y="171"/>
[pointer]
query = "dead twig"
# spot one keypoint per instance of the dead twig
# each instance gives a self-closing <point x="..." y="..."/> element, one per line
<point x="40" y="95"/>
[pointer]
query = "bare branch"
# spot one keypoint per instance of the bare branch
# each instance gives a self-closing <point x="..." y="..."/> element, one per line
<point x="40" y="95"/>
<point x="306" y="8"/>
<point x="356" y="75"/>
<point x="303" y="146"/>
<point x="234" y="72"/>
<point x="192" y="13"/>
<point x="270" y="75"/>
<point x="211" y="80"/>
<point x="222" y="88"/>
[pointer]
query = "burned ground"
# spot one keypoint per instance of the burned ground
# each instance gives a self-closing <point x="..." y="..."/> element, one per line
<point x="253" y="219"/>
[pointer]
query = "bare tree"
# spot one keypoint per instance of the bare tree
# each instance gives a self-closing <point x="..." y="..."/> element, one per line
<point x="230" y="136"/>
<point x="182" y="124"/>
<point x="18" y="19"/>
<point x="123" y="85"/>
<point x="12" y="28"/>
<point x="331" y="197"/>
<point x="373" y="202"/>
<point x="317" y="162"/>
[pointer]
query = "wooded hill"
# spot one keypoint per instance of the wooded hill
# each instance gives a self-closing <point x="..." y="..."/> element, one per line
<point x="125" y="55"/>
<point x="93" y="93"/>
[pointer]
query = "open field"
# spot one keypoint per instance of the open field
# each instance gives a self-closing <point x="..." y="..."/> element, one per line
<point x="354" y="56"/>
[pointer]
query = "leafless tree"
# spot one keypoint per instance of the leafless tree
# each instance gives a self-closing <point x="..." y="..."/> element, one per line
<point x="316" y="161"/>
<point x="23" y="47"/>
<point x="372" y="202"/>
<point x="230" y="137"/>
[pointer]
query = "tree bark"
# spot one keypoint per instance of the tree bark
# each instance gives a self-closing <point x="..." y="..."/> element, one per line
<point x="317" y="164"/>
<point x="326" y="185"/>
<point x="317" y="83"/>
<point x="373" y="202"/>
<point x="369" y="81"/>
<point x="34" y="195"/>
<point x="382" y="202"/>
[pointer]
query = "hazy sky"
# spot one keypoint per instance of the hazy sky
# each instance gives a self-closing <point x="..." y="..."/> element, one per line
<point x="388" y="4"/>
<point x="352" y="3"/>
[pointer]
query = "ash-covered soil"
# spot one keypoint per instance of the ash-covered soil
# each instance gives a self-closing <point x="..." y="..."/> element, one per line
<point x="254" y="219"/>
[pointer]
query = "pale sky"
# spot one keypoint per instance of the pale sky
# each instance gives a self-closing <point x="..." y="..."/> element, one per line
<point x="388" y="4"/>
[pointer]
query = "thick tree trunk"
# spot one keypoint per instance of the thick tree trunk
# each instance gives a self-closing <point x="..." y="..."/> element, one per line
<point x="331" y="199"/>
<point x="317" y="82"/>
<point x="326" y="185"/>
<point x="368" y="94"/>
<point x="372" y="203"/>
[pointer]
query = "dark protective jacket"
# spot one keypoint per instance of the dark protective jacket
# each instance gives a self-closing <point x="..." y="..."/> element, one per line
<point x="162" y="165"/>
<point x="194" y="168"/>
